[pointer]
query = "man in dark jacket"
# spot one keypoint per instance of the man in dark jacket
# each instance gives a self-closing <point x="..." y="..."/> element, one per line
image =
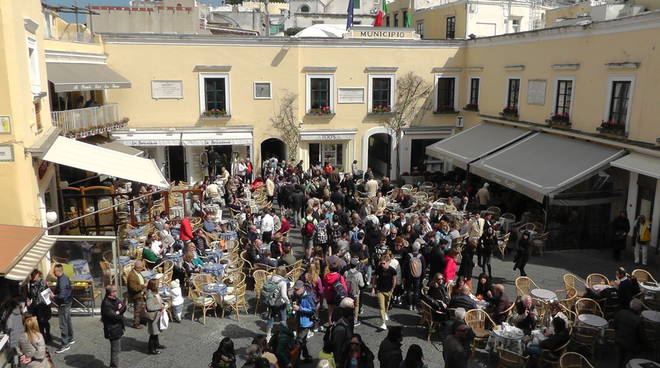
<point x="456" y="347"/>
<point x="297" y="204"/>
<point x="339" y="334"/>
<point x="436" y="259"/>
<point x="112" y="315"/>
<point x="337" y="197"/>
<point x="462" y="299"/>
<point x="628" y="287"/>
<point x="64" y="300"/>
<point x="389" y="353"/>
<point x="285" y="341"/>
<point x="620" y="230"/>
<point x="628" y="327"/>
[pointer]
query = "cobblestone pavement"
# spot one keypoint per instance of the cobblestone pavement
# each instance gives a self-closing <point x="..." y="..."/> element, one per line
<point x="191" y="344"/>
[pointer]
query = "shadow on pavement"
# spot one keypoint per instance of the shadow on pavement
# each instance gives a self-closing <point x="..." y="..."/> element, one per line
<point x="83" y="361"/>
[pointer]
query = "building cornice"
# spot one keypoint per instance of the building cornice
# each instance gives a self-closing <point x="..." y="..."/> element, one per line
<point x="150" y="130"/>
<point x="54" y="56"/>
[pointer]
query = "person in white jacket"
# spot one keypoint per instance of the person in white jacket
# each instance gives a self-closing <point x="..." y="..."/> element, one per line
<point x="177" y="300"/>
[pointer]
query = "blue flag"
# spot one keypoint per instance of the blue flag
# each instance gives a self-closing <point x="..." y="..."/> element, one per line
<point x="349" y="19"/>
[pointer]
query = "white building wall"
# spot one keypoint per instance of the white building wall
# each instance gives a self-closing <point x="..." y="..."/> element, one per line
<point x="490" y="18"/>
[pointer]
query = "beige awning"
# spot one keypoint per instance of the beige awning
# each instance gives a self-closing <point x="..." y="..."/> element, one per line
<point x="69" y="77"/>
<point x="639" y="163"/>
<point x="119" y="147"/>
<point x="23" y="248"/>
<point x="70" y="152"/>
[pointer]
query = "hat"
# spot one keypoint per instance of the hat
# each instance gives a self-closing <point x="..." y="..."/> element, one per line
<point x="347" y="303"/>
<point x="298" y="285"/>
<point x="333" y="260"/>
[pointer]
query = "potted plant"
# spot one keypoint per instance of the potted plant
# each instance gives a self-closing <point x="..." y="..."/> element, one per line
<point x="381" y="109"/>
<point x="323" y="110"/>
<point x="560" y="120"/>
<point x="510" y="112"/>
<point x="214" y="113"/>
<point x="471" y="107"/>
<point x="446" y="109"/>
<point x="612" y="127"/>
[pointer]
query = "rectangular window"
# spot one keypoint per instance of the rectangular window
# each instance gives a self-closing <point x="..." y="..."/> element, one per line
<point x="319" y="93"/>
<point x="33" y="63"/>
<point x="387" y="21"/>
<point x="619" y="100"/>
<point x="215" y="94"/>
<point x="420" y="29"/>
<point x="474" y="91"/>
<point x="262" y="91"/>
<point x="515" y="25"/>
<point x="396" y="20"/>
<point x="356" y="4"/>
<point x="513" y="93"/>
<point x="381" y="93"/>
<point x="314" y="154"/>
<point x="563" y="98"/>
<point x="446" y="90"/>
<point x="451" y="27"/>
<point x="405" y="19"/>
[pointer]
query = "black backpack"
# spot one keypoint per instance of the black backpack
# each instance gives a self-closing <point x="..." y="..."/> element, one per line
<point x="339" y="292"/>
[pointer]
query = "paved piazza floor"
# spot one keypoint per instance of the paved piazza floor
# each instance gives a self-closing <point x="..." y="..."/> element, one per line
<point x="191" y="344"/>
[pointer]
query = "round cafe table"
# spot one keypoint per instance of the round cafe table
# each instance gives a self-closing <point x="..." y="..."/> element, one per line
<point x="651" y="316"/>
<point x="215" y="288"/>
<point x="543" y="294"/>
<point x="508" y="338"/>
<point x="642" y="363"/>
<point x="215" y="269"/>
<point x="592" y="320"/>
<point x="600" y="287"/>
<point x="650" y="287"/>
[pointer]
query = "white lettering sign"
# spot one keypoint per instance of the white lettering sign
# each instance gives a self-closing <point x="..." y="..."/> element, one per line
<point x="166" y="89"/>
<point x="350" y="95"/>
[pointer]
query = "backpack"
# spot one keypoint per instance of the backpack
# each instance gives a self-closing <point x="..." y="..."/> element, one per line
<point x="321" y="233"/>
<point x="308" y="230"/>
<point x="270" y="293"/>
<point x="415" y="266"/>
<point x="353" y="282"/>
<point x="339" y="292"/>
<point x="645" y="235"/>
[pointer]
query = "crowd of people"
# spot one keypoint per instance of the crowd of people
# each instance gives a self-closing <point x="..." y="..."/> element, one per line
<point x="360" y="236"/>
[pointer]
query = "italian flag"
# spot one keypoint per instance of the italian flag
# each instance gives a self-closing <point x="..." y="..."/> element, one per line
<point x="408" y="20"/>
<point x="381" y="13"/>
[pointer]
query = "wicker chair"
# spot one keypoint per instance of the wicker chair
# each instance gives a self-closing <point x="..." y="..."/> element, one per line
<point x="584" y="338"/>
<point x="427" y="319"/>
<point x="235" y="301"/>
<point x="571" y="297"/>
<point x="550" y="358"/>
<point x="108" y="275"/>
<point x="524" y="285"/>
<point x="259" y="277"/>
<point x="597" y="278"/>
<point x="643" y="276"/>
<point x="480" y="323"/>
<point x="573" y="281"/>
<point x="495" y="211"/>
<point x="574" y="360"/>
<point x="588" y="306"/>
<point x="203" y="301"/>
<point x="506" y="314"/>
<point x="509" y="359"/>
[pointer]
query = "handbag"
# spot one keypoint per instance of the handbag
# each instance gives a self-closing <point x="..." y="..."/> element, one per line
<point x="164" y="321"/>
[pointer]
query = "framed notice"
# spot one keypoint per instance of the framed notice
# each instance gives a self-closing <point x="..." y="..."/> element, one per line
<point x="167" y="89"/>
<point x="536" y="91"/>
<point x="6" y="153"/>
<point x="5" y="125"/>
<point x="262" y="91"/>
<point x="350" y="95"/>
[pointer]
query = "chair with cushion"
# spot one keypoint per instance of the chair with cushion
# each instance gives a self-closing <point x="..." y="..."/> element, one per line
<point x="509" y="359"/>
<point x="235" y="301"/>
<point x="480" y="323"/>
<point x="597" y="279"/>
<point x="574" y="360"/>
<point x="642" y="275"/>
<point x="203" y="301"/>
<point x="524" y="285"/>
<point x="588" y="306"/>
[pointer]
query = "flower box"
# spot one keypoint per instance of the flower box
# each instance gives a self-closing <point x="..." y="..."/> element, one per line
<point x="471" y="107"/>
<point x="320" y="111"/>
<point x="559" y="121"/>
<point x="214" y="113"/>
<point x="510" y="112"/>
<point x="612" y="128"/>
<point x="445" y="109"/>
<point x="383" y="109"/>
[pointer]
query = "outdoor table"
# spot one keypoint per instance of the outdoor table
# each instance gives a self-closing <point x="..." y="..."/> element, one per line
<point x="149" y="274"/>
<point x="508" y="337"/>
<point x="215" y="269"/>
<point x="215" y="288"/>
<point x="650" y="287"/>
<point x="642" y="363"/>
<point x="592" y="320"/>
<point x="543" y="294"/>
<point x="229" y="235"/>
<point x="651" y="316"/>
<point x="174" y="257"/>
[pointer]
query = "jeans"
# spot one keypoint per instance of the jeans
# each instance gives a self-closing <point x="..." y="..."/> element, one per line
<point x="178" y="310"/>
<point x="64" y="314"/>
<point x="644" y="250"/>
<point x="485" y="263"/>
<point x="301" y="339"/>
<point x="383" y="303"/>
<point x="414" y="287"/>
<point x="115" y="348"/>
<point x="272" y="312"/>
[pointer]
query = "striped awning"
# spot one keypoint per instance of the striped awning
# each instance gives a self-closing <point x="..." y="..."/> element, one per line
<point x="23" y="248"/>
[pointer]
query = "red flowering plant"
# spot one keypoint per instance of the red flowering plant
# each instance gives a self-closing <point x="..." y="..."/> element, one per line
<point x="323" y="110"/>
<point x="381" y="109"/>
<point x="215" y="113"/>
<point x="562" y="119"/>
<point x="612" y="127"/>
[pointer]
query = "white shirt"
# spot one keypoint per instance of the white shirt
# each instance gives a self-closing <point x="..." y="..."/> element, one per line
<point x="155" y="247"/>
<point x="241" y="168"/>
<point x="267" y="223"/>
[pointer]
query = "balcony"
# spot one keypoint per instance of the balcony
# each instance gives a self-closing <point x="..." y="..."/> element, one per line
<point x="80" y="123"/>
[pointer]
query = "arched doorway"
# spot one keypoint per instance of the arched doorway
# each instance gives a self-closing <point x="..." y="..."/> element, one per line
<point x="379" y="155"/>
<point x="273" y="147"/>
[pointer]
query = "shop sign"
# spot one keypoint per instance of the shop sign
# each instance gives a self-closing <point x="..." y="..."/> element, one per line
<point x="327" y="137"/>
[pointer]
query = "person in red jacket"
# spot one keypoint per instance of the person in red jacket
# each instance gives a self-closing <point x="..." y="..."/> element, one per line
<point x="248" y="171"/>
<point x="186" y="230"/>
<point x="329" y="281"/>
<point x="450" y="265"/>
<point x="285" y="225"/>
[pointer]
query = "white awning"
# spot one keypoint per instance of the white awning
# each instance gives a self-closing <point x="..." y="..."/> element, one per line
<point x="70" y="152"/>
<point x="216" y="138"/>
<point x="116" y="146"/>
<point x="639" y="163"/>
<point x="151" y="139"/>
<point x="70" y="77"/>
<point x="23" y="249"/>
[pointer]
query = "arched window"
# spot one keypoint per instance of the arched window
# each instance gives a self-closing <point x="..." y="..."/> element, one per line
<point x="304" y="9"/>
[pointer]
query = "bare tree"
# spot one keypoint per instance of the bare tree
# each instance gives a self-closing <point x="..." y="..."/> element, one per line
<point x="285" y="121"/>
<point x="411" y="104"/>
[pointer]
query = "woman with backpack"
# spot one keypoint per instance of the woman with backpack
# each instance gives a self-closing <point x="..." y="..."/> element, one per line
<point x="275" y="296"/>
<point x="335" y="287"/>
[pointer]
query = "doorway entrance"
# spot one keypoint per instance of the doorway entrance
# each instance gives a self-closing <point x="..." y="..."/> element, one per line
<point x="273" y="147"/>
<point x="176" y="163"/>
<point x="379" y="157"/>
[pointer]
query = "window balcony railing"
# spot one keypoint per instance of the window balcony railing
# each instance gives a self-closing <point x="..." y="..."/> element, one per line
<point x="89" y="120"/>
